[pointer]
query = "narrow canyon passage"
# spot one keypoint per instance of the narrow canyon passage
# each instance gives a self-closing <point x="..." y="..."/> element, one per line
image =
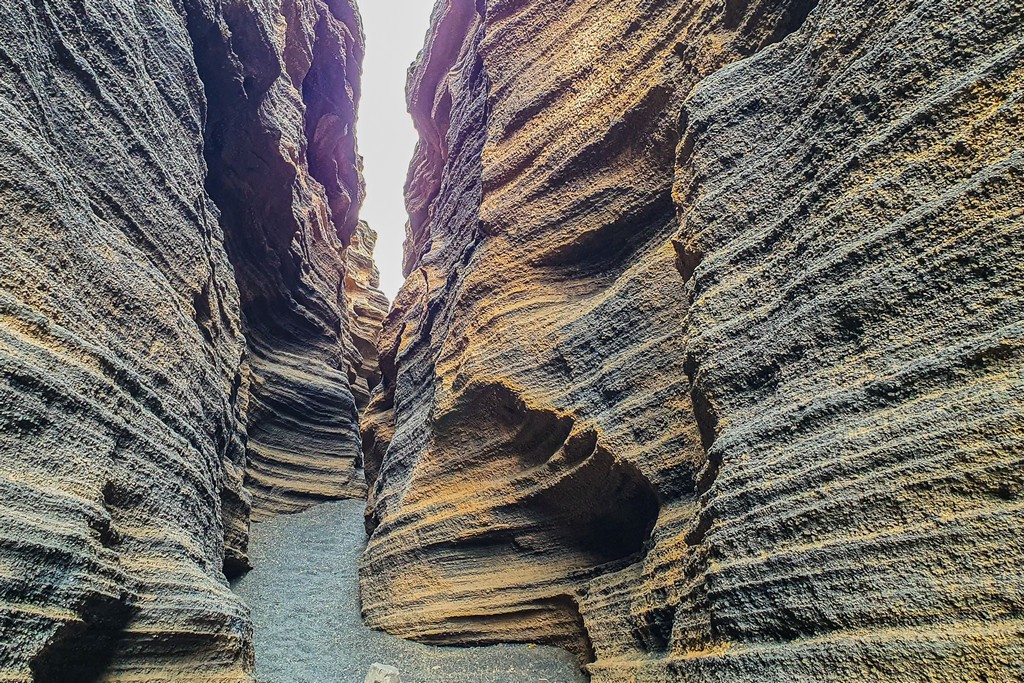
<point x="304" y="595"/>
<point x="708" y="364"/>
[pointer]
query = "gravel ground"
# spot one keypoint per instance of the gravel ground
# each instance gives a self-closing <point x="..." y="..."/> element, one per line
<point x="304" y="594"/>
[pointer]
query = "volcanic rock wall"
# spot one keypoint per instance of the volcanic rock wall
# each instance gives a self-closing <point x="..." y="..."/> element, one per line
<point x="283" y="87"/>
<point x="143" y="331"/>
<point x="367" y="307"/>
<point x="709" y="363"/>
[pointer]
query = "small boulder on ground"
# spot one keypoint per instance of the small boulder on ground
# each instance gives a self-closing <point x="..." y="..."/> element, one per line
<point x="381" y="673"/>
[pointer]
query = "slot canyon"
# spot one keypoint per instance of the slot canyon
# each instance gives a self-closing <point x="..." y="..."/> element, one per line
<point x="708" y="365"/>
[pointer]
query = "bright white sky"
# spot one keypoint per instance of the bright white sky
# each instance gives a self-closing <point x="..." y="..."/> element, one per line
<point x="395" y="32"/>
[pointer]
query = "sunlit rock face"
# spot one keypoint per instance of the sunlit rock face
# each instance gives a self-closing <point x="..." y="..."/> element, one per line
<point x="178" y="188"/>
<point x="709" y="360"/>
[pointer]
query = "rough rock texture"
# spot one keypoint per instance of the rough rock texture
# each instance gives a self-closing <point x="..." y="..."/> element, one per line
<point x="283" y="85"/>
<point x="126" y="385"/>
<point x="709" y="364"/>
<point x="368" y="306"/>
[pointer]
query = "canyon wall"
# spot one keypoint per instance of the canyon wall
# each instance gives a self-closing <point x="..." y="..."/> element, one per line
<point x="709" y="361"/>
<point x="179" y="189"/>
<point x="283" y="87"/>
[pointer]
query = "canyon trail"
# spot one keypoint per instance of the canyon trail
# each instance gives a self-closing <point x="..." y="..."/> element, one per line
<point x="709" y="364"/>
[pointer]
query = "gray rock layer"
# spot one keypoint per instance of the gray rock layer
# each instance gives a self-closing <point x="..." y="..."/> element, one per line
<point x="144" y="331"/>
<point x="852" y="214"/>
<point x="283" y="84"/>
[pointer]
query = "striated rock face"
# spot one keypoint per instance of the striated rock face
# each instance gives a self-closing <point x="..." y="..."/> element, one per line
<point x="856" y="326"/>
<point x="283" y="87"/>
<point x="156" y="306"/>
<point x="368" y="306"/>
<point x="120" y="346"/>
<point x="709" y="364"/>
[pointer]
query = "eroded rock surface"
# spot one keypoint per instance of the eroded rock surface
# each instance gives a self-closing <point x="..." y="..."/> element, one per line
<point x="283" y="86"/>
<point x="709" y="362"/>
<point x="368" y="307"/>
<point x="178" y="186"/>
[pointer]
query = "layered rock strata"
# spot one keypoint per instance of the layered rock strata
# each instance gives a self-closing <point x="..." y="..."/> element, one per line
<point x="367" y="308"/>
<point x="283" y="86"/>
<point x="179" y="185"/>
<point x="709" y="363"/>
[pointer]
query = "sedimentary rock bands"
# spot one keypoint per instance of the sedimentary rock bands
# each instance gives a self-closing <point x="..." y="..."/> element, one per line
<point x="709" y="365"/>
<point x="709" y="361"/>
<point x="284" y="171"/>
<point x="178" y="195"/>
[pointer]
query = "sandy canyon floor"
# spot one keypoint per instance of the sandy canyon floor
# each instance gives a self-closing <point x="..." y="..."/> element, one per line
<point x="304" y="593"/>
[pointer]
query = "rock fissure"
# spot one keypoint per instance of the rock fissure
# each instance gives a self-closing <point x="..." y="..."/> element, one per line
<point x="707" y="365"/>
<point x="81" y="651"/>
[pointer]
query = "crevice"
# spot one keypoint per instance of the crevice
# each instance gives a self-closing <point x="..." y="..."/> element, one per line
<point x="604" y="509"/>
<point x="704" y="411"/>
<point x="576" y="493"/>
<point x="103" y="526"/>
<point x="290" y="257"/>
<point x="563" y="609"/>
<point x="81" y="650"/>
<point x="688" y="258"/>
<point x="606" y="251"/>
<point x="794" y="15"/>
<point x="654" y="632"/>
<point x="788" y="17"/>
<point x="583" y="648"/>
